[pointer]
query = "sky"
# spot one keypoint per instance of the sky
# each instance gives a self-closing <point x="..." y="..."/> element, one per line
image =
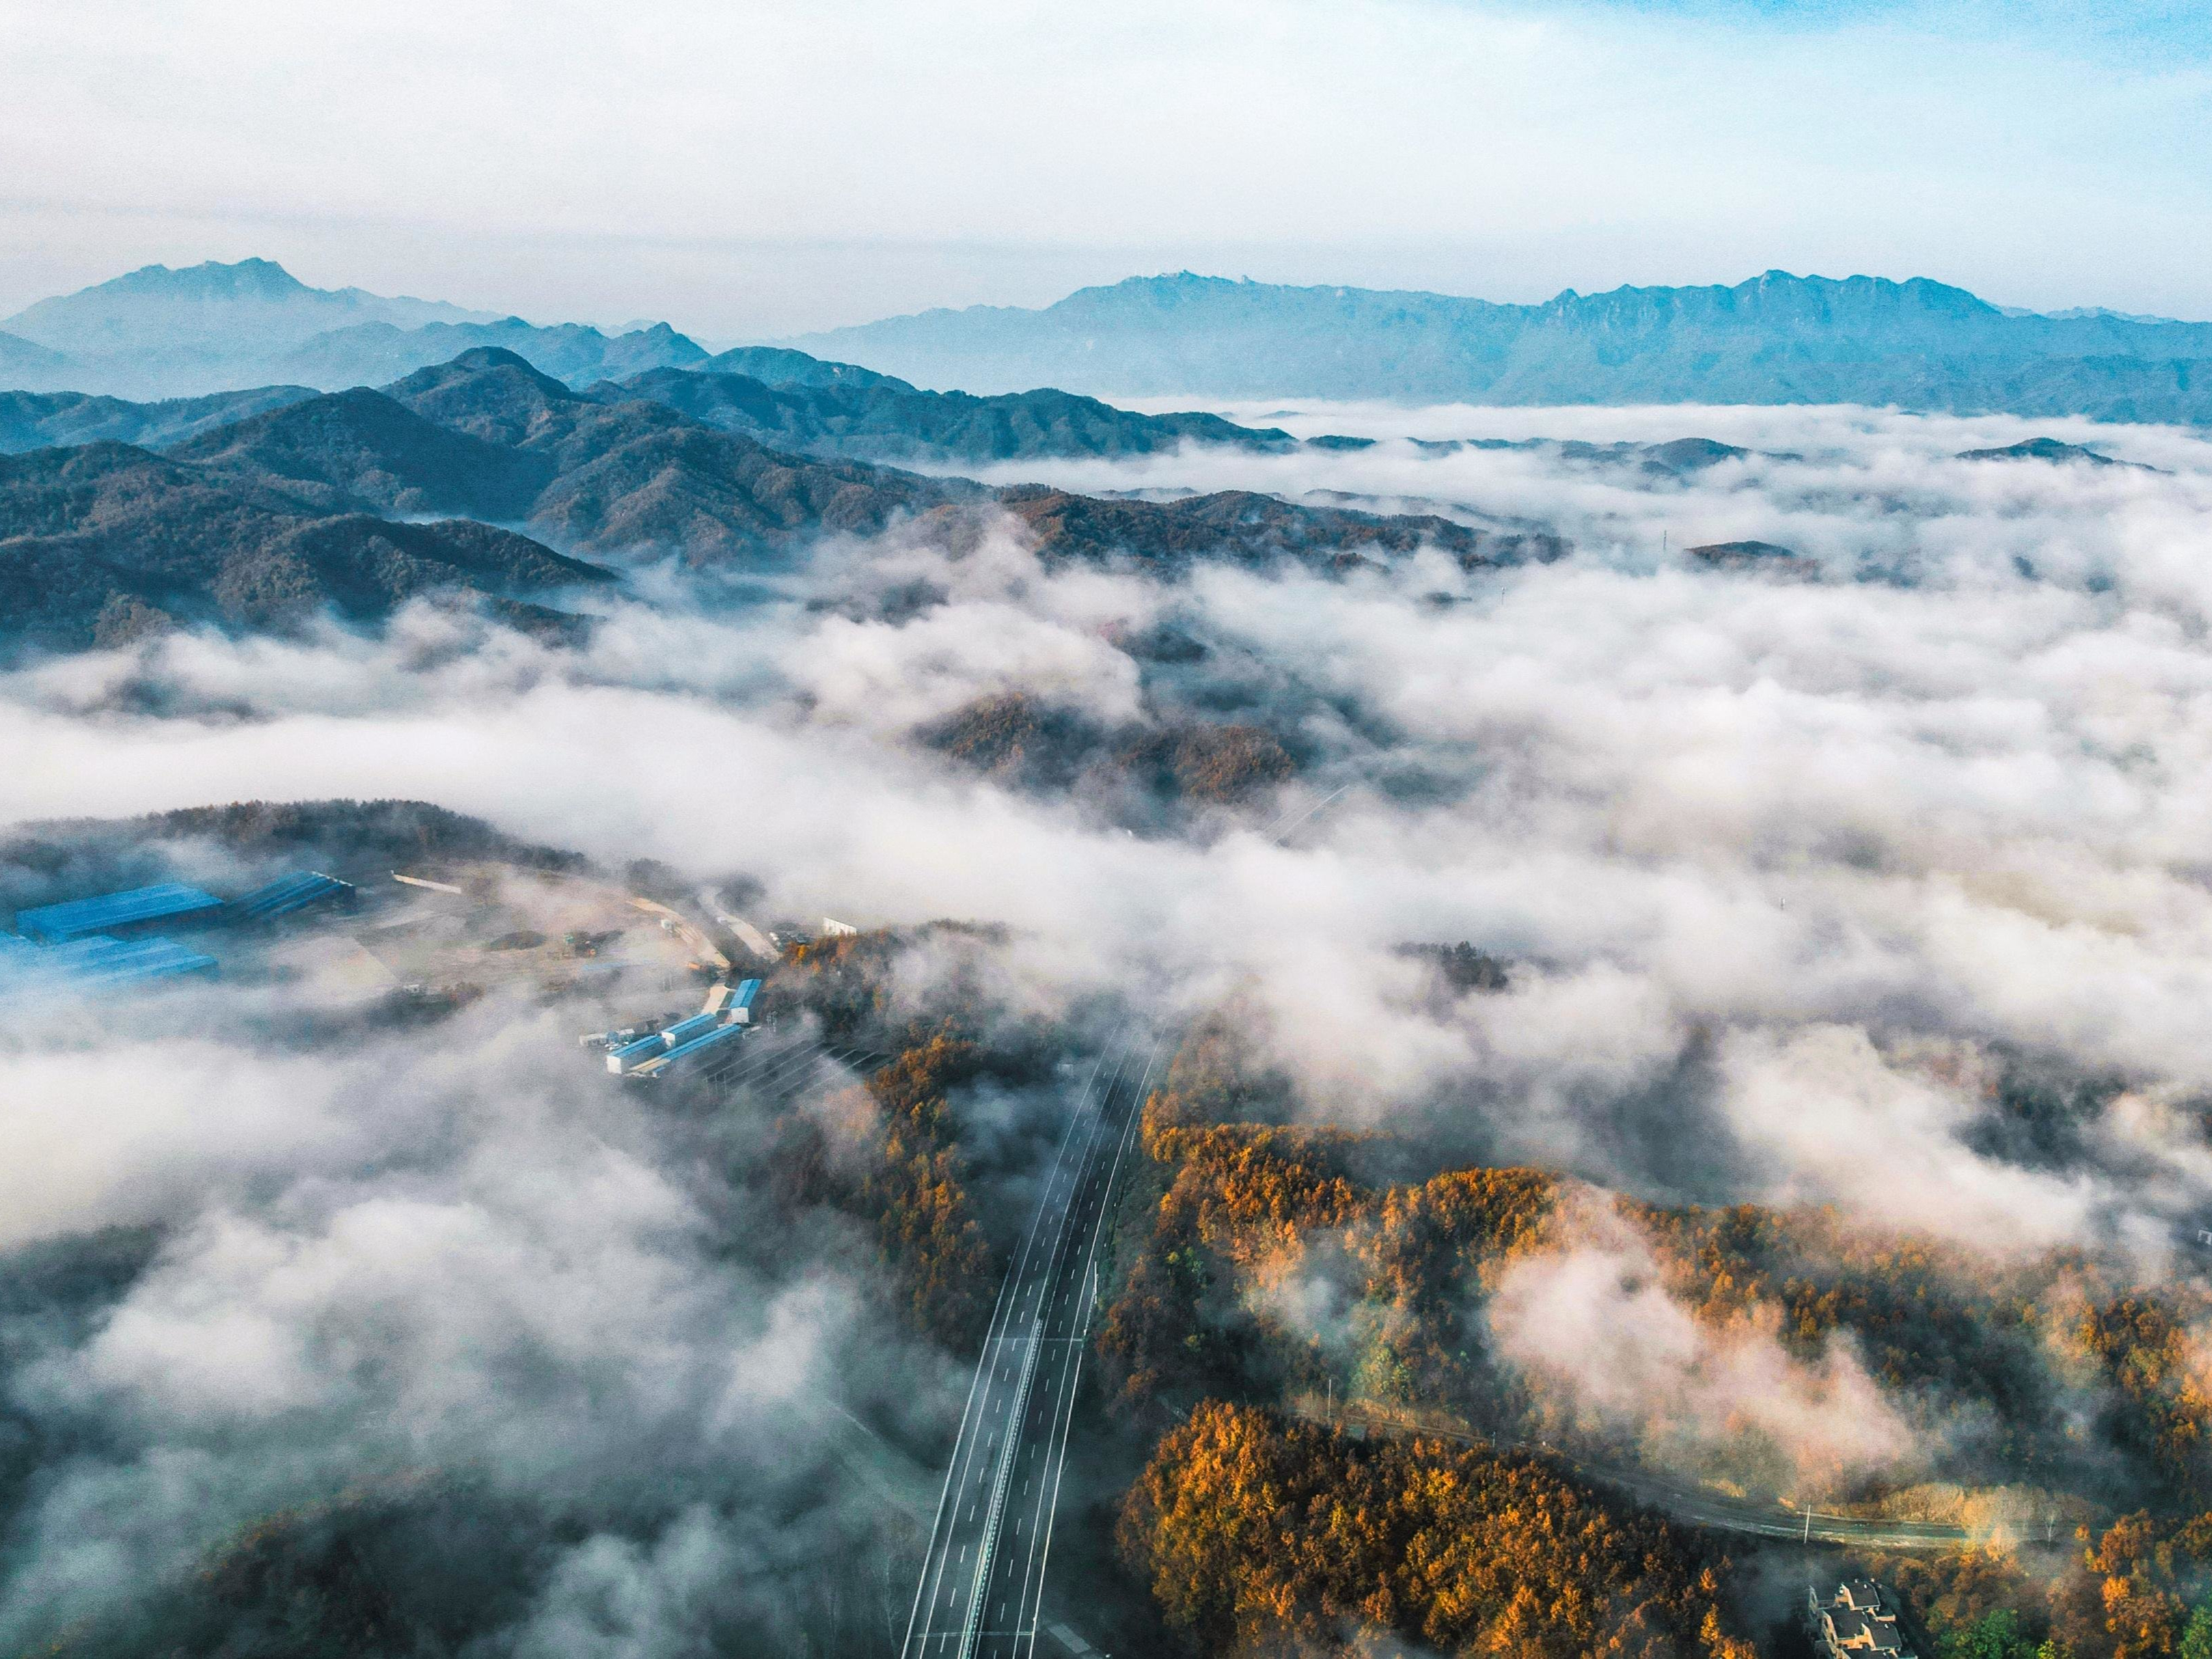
<point x="747" y="170"/>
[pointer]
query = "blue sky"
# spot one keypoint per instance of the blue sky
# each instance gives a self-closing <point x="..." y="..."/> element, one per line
<point x="747" y="169"/>
<point x="2075" y="27"/>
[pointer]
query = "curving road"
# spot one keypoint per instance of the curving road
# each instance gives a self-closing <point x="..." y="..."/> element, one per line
<point x="982" y="1582"/>
<point x="1679" y="1499"/>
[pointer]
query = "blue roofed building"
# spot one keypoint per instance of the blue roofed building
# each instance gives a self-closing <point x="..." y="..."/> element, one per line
<point x="705" y="1042"/>
<point x="734" y="1004"/>
<point x="287" y="896"/>
<point x="98" y="962"/>
<point x="137" y="910"/>
<point x="702" y="1053"/>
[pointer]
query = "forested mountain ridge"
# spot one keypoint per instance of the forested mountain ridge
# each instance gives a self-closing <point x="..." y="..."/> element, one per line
<point x="102" y="542"/>
<point x="259" y="521"/>
<point x="2080" y="1382"/>
<point x="890" y="421"/>
<point x="46" y="420"/>
<point x="619" y="477"/>
<point x="160" y="330"/>
<point x="780" y="366"/>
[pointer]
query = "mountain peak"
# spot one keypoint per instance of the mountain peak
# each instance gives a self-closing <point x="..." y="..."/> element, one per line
<point x="252" y="278"/>
<point x="477" y="363"/>
<point x="212" y="309"/>
<point x="487" y="393"/>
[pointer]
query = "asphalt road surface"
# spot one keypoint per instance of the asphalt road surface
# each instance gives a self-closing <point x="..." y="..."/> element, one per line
<point x="982" y="1582"/>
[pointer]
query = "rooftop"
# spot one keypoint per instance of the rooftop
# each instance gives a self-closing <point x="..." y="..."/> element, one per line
<point x="293" y="892"/>
<point x="93" y="962"/>
<point x="51" y="924"/>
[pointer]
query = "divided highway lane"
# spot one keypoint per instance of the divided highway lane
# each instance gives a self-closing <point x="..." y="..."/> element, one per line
<point x="982" y="1582"/>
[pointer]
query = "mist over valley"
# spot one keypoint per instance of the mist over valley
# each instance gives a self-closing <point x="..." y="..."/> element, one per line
<point x="1226" y="967"/>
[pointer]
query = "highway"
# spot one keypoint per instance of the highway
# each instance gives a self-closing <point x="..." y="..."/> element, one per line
<point x="982" y="1589"/>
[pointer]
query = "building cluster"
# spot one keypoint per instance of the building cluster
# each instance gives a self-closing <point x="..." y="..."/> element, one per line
<point x="1856" y="1621"/>
<point x="116" y="940"/>
<point x="785" y="936"/>
<point x="700" y="1044"/>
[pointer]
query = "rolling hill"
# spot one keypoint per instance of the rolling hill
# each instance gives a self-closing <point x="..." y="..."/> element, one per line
<point x="890" y="421"/>
<point x="300" y="508"/>
<point x="104" y="541"/>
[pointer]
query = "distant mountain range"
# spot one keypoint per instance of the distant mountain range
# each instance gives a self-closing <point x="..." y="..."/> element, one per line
<point x="164" y="333"/>
<point x="174" y="331"/>
<point x="312" y="502"/>
<point x="1776" y="339"/>
<point x="210" y="306"/>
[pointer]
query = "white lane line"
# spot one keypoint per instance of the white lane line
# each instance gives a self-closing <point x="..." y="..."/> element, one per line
<point x="1071" y="1371"/>
<point x="1069" y="1173"/>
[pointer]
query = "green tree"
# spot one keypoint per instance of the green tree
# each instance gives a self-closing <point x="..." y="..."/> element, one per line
<point x="1995" y="1635"/>
<point x="2197" y="1635"/>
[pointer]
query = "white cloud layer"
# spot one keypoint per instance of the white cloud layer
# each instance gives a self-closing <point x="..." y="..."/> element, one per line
<point x="1620" y="1355"/>
<point x="1768" y="858"/>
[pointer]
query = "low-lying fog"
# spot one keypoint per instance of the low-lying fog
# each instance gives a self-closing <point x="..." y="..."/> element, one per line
<point x="1811" y="837"/>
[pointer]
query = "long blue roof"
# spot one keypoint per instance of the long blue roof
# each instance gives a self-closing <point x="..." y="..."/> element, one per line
<point x="677" y="1058"/>
<point x="93" y="962"/>
<point x="292" y="892"/>
<point x="168" y="900"/>
<point x="136" y="960"/>
<point x="684" y="1029"/>
<point x="649" y="1044"/>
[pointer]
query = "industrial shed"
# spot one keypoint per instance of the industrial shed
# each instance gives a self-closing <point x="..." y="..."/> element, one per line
<point x="95" y="962"/>
<point x="303" y="890"/>
<point x="137" y="910"/>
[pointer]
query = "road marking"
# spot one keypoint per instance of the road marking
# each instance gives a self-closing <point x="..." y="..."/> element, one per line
<point x="1053" y="1251"/>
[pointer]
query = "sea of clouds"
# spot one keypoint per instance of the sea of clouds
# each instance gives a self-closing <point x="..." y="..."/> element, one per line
<point x="1777" y="859"/>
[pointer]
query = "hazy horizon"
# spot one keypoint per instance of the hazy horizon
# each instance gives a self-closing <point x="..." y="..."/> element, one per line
<point x="1231" y="973"/>
<point x="797" y="172"/>
<point x="613" y="323"/>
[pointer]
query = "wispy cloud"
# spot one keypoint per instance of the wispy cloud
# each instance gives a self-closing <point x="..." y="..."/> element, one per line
<point x="1614" y="143"/>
